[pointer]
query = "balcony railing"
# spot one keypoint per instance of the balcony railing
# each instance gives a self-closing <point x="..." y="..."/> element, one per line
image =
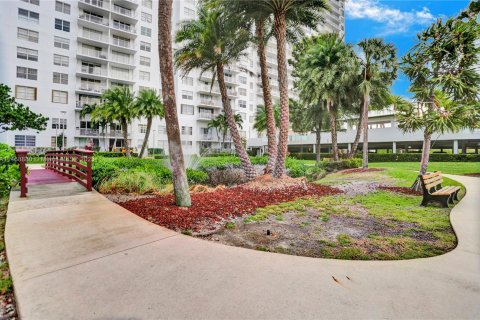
<point x="94" y="71"/>
<point x="208" y="137"/>
<point x="210" y="102"/>
<point x="93" y="53"/>
<point x="121" y="60"/>
<point x="122" y="43"/>
<point x="123" y="27"/>
<point x="95" y="3"/>
<point x="207" y="115"/>
<point x="89" y="132"/>
<point x="93" y="36"/>
<point x="92" y="87"/>
<point x="124" y="11"/>
<point x="94" y="19"/>
<point x="81" y="104"/>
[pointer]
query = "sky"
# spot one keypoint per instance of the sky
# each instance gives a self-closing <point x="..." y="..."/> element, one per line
<point x="397" y="22"/>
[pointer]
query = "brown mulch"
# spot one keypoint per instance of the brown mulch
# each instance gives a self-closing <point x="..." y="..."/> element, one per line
<point x="403" y="190"/>
<point x="472" y="174"/>
<point x="268" y="182"/>
<point x="209" y="208"/>
<point x="361" y="170"/>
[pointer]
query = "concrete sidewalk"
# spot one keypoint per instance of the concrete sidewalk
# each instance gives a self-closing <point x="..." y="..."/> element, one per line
<point x="75" y="255"/>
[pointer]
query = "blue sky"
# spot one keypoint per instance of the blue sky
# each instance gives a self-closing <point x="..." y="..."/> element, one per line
<point x="397" y="22"/>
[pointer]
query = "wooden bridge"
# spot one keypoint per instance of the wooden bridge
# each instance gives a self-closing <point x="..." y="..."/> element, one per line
<point x="62" y="166"/>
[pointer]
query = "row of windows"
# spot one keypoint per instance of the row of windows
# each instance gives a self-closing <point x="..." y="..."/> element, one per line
<point x="59" y="6"/>
<point x="32" y="36"/>
<point x="32" y="55"/>
<point x="30" y="141"/>
<point x="30" y="93"/>
<point x="31" y="16"/>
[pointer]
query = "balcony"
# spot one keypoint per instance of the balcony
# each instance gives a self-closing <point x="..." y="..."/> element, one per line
<point x="92" y="53"/>
<point x="116" y="133"/>
<point x="83" y="103"/>
<point x="94" y="3"/>
<point x="100" y="72"/>
<point x="211" y="103"/>
<point x="93" y="19"/>
<point x="206" y="137"/>
<point x="207" y="115"/>
<point x="93" y="38"/>
<point x="87" y="132"/>
<point x="124" y="12"/>
<point x="209" y="89"/>
<point x="91" y="88"/>
<point x="124" y="29"/>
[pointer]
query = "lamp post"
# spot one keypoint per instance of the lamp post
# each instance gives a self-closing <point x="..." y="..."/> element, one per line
<point x="63" y="128"/>
<point x="154" y="143"/>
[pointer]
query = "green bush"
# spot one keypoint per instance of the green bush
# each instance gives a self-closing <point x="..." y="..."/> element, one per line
<point x="309" y="156"/>
<point x="196" y="176"/>
<point x="132" y="182"/>
<point x="220" y="154"/>
<point x="416" y="157"/>
<point x="315" y="173"/>
<point x="155" y="151"/>
<point x="102" y="170"/>
<point x="9" y="173"/>
<point x="295" y="168"/>
<point x="330" y="166"/>
<point x="113" y="154"/>
<point x="219" y="162"/>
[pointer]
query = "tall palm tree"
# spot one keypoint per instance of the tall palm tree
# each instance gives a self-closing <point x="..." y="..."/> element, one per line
<point x="262" y="118"/>
<point x="210" y="43"/>
<point x="379" y="67"/>
<point x="179" y="175"/>
<point x="118" y="104"/>
<point x="148" y="105"/>
<point x="101" y="123"/>
<point x="324" y="69"/>
<point x="220" y="124"/>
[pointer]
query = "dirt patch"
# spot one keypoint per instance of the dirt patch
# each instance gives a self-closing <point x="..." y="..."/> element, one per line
<point x="403" y="190"/>
<point x="120" y="198"/>
<point x="360" y="170"/>
<point x="472" y="174"/>
<point x="354" y="188"/>
<point x="268" y="182"/>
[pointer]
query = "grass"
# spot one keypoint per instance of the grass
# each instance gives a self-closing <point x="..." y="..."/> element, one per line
<point x="6" y="284"/>
<point x="445" y="167"/>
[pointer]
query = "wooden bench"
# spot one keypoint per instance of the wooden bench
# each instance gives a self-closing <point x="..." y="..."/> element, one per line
<point x="433" y="190"/>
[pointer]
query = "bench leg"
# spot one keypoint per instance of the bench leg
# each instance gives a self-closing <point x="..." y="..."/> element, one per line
<point x="450" y="198"/>
<point x="444" y="201"/>
<point x="424" y="201"/>
<point x="455" y="195"/>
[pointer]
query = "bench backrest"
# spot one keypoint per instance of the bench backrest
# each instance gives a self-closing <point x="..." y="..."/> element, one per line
<point x="432" y="180"/>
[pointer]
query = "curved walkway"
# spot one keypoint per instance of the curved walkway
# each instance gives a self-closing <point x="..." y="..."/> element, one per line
<point x="75" y="255"/>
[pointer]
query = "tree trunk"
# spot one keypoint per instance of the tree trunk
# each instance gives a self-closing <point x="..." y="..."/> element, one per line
<point x="427" y="139"/>
<point x="318" y="134"/>
<point x="147" y="135"/>
<point x="359" y="133"/>
<point x="333" y="128"/>
<point x="267" y="97"/>
<point x="365" y="131"/>
<point x="237" y="140"/>
<point x="125" y="137"/>
<point x="281" y="34"/>
<point x="180" y="183"/>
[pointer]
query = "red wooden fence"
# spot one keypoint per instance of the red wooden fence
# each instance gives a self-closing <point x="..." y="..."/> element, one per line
<point x="22" y="163"/>
<point x="74" y="164"/>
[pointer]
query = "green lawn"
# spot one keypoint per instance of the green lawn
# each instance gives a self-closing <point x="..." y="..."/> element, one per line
<point x="444" y="167"/>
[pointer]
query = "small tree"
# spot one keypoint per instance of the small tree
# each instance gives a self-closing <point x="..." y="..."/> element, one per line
<point x="444" y="61"/>
<point x="16" y="116"/>
<point x="262" y="119"/>
<point x="149" y="105"/>
<point x="220" y="125"/>
<point x="102" y="123"/>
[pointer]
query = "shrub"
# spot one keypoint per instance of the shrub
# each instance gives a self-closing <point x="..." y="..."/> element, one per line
<point x="309" y="156"/>
<point x="102" y="170"/>
<point x="196" y="176"/>
<point x="315" y="173"/>
<point x="132" y="182"/>
<point x="9" y="173"/>
<point x="330" y="166"/>
<point x="228" y="177"/>
<point x="219" y="162"/>
<point x="113" y="154"/>
<point x="155" y="151"/>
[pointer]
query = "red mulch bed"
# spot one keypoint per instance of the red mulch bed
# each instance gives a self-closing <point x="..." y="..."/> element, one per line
<point x="211" y="207"/>
<point x="360" y="170"/>
<point x="404" y="190"/>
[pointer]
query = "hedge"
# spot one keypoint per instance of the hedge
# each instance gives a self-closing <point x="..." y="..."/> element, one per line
<point x="113" y="154"/>
<point x="400" y="157"/>
<point x="309" y="156"/>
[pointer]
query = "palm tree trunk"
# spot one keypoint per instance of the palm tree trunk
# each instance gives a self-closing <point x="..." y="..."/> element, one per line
<point x="125" y="137"/>
<point x="427" y="139"/>
<point x="147" y="135"/>
<point x="333" y="128"/>
<point x="237" y="140"/>
<point x="365" y="131"/>
<point x="318" y="135"/>
<point x="267" y="97"/>
<point x="180" y="183"/>
<point x="281" y="34"/>
<point x="359" y="133"/>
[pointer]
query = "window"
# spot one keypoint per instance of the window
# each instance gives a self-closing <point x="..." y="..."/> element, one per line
<point x="62" y="7"/>
<point x="25" y="93"/>
<point x="142" y="128"/>
<point x="144" y="75"/>
<point x="145" y="61"/>
<point x="59" y="60"/>
<point x="62" y="25"/>
<point x="145" y="46"/>
<point x="121" y="42"/>
<point x="61" y="78"/>
<point x="144" y="31"/>
<point x="57" y="141"/>
<point x="242" y="104"/>
<point x="242" y="79"/>
<point x="59" y="123"/>
<point x="62" y="43"/>
<point x="24" y="141"/>
<point x="121" y="57"/>
<point x="162" y="129"/>
<point x="122" y="10"/>
<point x="188" y="131"/>
<point x="187" y="95"/>
<point x="122" y="25"/>
<point x="188" y="12"/>
<point x="242" y="91"/>
<point x="28" y="35"/>
<point x="27" y="54"/>
<point x="186" y="109"/>
<point x="187" y="143"/>
<point x="120" y="73"/>
<point x="29" y="16"/>
<point x="59" y="96"/>
<point x="147" y="3"/>
<point x="187" y="81"/>
<point x="35" y="2"/>
<point x="26" y="73"/>
<point x="146" y="17"/>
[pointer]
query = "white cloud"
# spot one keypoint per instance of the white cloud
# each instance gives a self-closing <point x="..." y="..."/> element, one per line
<point x="395" y="20"/>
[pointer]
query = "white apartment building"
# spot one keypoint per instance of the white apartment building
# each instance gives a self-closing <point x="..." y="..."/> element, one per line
<point x="59" y="55"/>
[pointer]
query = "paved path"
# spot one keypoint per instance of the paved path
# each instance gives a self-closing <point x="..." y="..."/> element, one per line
<point x="75" y="255"/>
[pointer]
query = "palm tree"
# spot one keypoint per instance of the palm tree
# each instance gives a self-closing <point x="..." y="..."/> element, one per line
<point x="324" y="69"/>
<point x="220" y="124"/>
<point x="179" y="175"/>
<point x="118" y="104"/>
<point x="210" y="43"/>
<point x="379" y="67"/>
<point x="149" y="105"/>
<point x="261" y="119"/>
<point x="102" y="123"/>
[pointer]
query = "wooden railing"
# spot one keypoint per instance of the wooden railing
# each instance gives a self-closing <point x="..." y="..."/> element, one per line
<point x="74" y="164"/>
<point x="22" y="163"/>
